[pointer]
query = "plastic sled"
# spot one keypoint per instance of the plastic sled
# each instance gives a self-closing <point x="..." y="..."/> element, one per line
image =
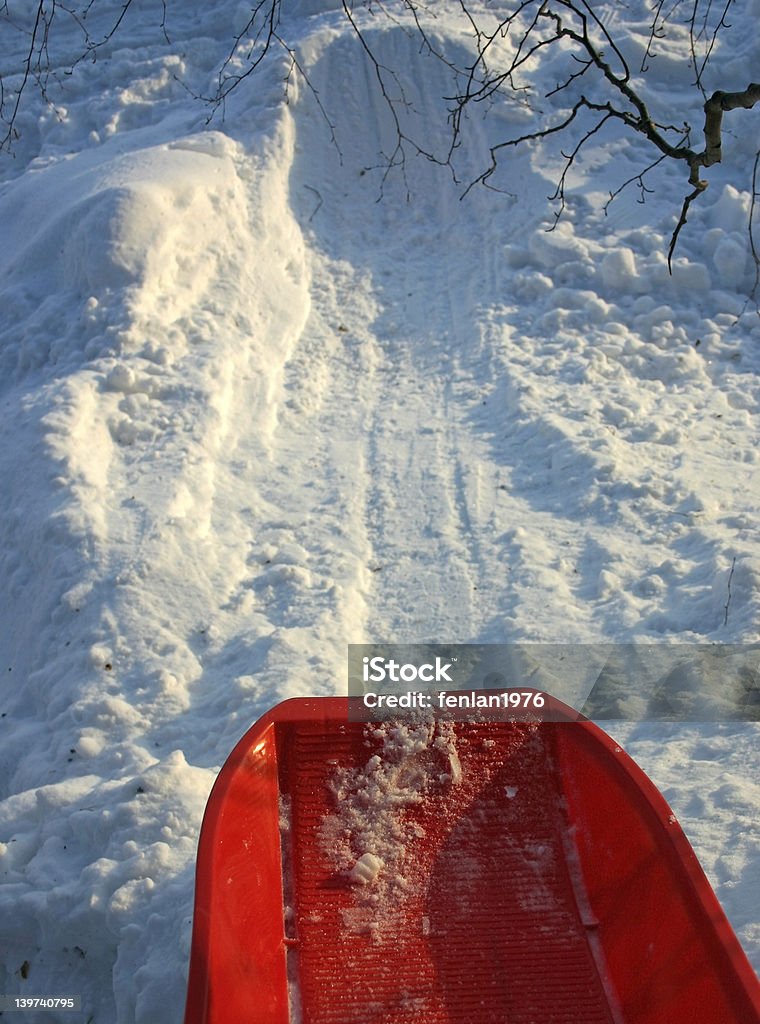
<point x="487" y="872"/>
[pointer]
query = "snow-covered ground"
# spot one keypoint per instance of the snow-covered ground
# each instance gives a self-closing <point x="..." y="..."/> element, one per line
<point x="251" y="414"/>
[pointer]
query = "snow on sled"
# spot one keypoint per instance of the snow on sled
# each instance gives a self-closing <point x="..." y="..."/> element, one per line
<point x="469" y="872"/>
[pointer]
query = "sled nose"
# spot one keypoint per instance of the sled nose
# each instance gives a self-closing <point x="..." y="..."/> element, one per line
<point x="482" y="872"/>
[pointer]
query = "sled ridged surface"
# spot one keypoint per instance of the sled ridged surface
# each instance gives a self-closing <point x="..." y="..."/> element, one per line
<point x="549" y="882"/>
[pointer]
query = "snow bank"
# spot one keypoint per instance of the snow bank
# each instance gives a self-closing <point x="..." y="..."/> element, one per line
<point x="251" y="414"/>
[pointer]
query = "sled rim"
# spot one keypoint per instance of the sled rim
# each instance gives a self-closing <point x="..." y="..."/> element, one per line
<point x="570" y="733"/>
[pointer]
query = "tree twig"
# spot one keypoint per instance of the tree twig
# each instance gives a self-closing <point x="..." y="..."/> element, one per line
<point x="728" y="587"/>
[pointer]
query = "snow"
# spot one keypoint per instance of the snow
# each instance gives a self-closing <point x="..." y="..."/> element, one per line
<point x="368" y="836"/>
<point x="366" y="832"/>
<point x="251" y="414"/>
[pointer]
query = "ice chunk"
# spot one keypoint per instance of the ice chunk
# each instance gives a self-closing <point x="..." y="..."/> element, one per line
<point x="366" y="869"/>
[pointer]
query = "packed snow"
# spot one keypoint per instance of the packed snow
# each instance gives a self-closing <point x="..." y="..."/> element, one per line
<point x="261" y="399"/>
<point x="367" y="837"/>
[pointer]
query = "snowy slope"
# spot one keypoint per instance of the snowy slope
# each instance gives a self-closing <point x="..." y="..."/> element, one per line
<point x="250" y="414"/>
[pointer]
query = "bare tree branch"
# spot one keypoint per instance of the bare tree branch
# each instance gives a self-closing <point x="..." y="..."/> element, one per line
<point x="751" y="228"/>
<point x="688" y="200"/>
<point x="37" y="65"/>
<point x="509" y="44"/>
<point x="575" y="28"/>
<point x="714" y="109"/>
<point x="637" y="179"/>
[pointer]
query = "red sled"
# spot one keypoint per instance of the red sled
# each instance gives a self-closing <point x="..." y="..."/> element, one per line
<point x="492" y="871"/>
